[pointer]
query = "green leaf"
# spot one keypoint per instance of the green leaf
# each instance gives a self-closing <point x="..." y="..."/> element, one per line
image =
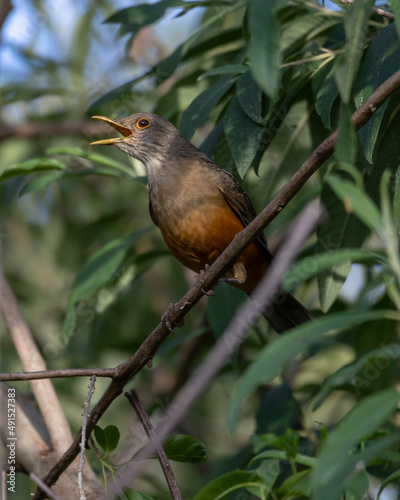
<point x="199" y="109"/>
<point x="243" y="136"/>
<point x="356" y="200"/>
<point x="135" y="18"/>
<point x="298" y="484"/>
<point x="232" y="481"/>
<point x="222" y="307"/>
<point x="378" y="358"/>
<point x="278" y="411"/>
<point x="395" y="5"/>
<point x="249" y="95"/>
<point x="381" y="60"/>
<point x="335" y="465"/>
<point x="313" y="265"/>
<point x="229" y="69"/>
<point x="355" y="25"/>
<point x="184" y="448"/>
<point x="99" y="269"/>
<point x="326" y="94"/>
<point x="340" y="230"/>
<point x="275" y="356"/>
<point x="264" y="46"/>
<point x="130" y="494"/>
<point x="32" y="166"/>
<point x="283" y="455"/>
<point x="107" y="438"/>
<point x="95" y="157"/>
<point x="39" y="183"/>
<point x="165" y="68"/>
<point x="390" y="479"/>
<point x="346" y="144"/>
<point x="269" y="470"/>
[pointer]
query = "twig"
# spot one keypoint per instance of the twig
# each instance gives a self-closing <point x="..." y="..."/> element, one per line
<point x="149" y="430"/>
<point x="233" y="336"/>
<point x="36" y="479"/>
<point x="63" y="373"/>
<point x="32" y="360"/>
<point x="377" y="10"/>
<point x="149" y="347"/>
<point x="86" y="408"/>
<point x="32" y="130"/>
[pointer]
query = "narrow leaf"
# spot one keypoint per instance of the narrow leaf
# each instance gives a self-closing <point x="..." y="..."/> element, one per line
<point x="243" y="136"/>
<point x="264" y="46"/>
<point x="32" y="166"/>
<point x="380" y="358"/>
<point x="334" y="464"/>
<point x="381" y="60"/>
<point x="356" y="22"/>
<point x="356" y="200"/>
<point x="200" y="108"/>
<point x="275" y="356"/>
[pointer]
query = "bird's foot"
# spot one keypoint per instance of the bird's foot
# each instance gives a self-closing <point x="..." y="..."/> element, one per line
<point x="199" y="280"/>
<point x="167" y="318"/>
<point x="239" y="275"/>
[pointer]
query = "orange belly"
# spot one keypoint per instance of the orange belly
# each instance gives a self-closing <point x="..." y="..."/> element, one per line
<point x="200" y="236"/>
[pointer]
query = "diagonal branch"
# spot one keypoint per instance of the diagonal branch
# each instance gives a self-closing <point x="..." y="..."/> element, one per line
<point x="151" y="434"/>
<point x="149" y="347"/>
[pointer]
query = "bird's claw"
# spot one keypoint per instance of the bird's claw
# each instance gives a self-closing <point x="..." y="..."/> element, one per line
<point x="199" y="280"/>
<point x="167" y="318"/>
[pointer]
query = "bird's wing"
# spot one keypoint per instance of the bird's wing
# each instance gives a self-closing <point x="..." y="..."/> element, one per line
<point x="240" y="204"/>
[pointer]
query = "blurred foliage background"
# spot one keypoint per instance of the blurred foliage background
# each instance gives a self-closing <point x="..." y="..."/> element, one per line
<point x="257" y="86"/>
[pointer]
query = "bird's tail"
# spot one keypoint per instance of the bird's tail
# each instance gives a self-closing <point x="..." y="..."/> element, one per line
<point x="286" y="312"/>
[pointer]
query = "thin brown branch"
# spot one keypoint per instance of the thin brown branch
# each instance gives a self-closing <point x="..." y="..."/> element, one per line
<point x="150" y="432"/>
<point x="34" y="130"/>
<point x="64" y="373"/>
<point x="376" y="10"/>
<point x="149" y="347"/>
<point x="86" y="409"/>
<point x="32" y="360"/>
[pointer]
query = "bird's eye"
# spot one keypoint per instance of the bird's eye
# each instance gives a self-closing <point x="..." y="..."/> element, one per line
<point x="142" y="123"/>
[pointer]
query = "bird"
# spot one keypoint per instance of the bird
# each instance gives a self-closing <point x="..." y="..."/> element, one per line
<point x="199" y="207"/>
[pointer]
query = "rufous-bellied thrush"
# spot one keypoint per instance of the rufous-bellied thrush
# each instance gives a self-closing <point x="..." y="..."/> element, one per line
<point x="199" y="207"/>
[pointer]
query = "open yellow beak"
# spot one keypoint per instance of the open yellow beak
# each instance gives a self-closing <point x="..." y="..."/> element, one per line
<point x="125" y="131"/>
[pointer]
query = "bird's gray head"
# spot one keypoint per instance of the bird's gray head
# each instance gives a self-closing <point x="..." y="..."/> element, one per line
<point x="146" y="136"/>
